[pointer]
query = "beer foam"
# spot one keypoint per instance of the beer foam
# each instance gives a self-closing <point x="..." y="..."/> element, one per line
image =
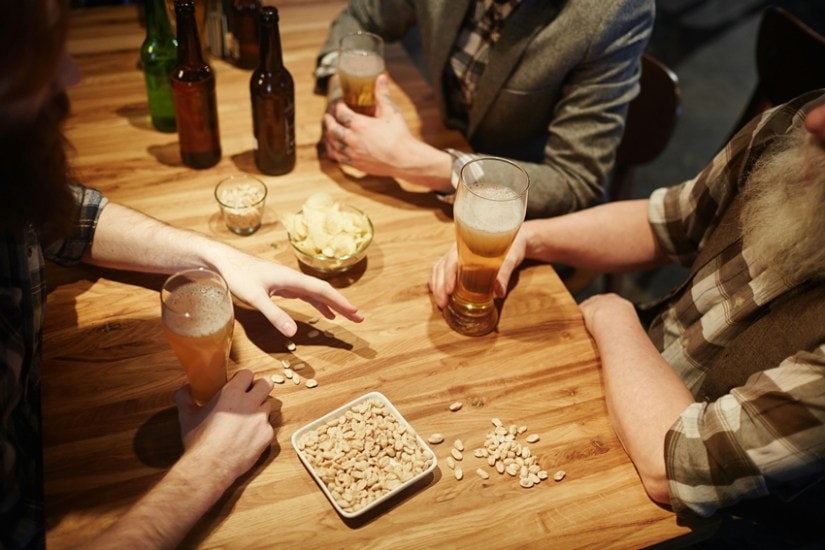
<point x="195" y="309"/>
<point x="501" y="212"/>
<point x="361" y="63"/>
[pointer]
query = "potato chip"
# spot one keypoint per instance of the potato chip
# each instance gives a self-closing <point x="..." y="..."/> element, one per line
<point x="323" y="227"/>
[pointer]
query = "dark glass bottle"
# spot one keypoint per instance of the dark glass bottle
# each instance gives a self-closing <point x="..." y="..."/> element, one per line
<point x="244" y="21"/>
<point x="273" y="102"/>
<point x="217" y="30"/>
<point x="193" y="90"/>
<point x="158" y="56"/>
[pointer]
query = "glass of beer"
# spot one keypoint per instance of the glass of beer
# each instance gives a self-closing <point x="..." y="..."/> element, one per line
<point x="198" y="319"/>
<point x="360" y="61"/>
<point x="490" y="204"/>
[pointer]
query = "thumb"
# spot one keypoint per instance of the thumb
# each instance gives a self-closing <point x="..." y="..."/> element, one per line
<point x="384" y="105"/>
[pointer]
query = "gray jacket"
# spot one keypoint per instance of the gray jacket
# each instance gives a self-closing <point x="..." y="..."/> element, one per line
<point x="555" y="90"/>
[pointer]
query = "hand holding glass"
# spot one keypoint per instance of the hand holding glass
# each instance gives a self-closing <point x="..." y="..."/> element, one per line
<point x="489" y="208"/>
<point x="360" y="61"/>
<point x="198" y="319"/>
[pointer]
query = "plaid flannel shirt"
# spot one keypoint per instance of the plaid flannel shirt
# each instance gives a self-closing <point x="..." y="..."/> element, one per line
<point x="772" y="455"/>
<point x="22" y="304"/>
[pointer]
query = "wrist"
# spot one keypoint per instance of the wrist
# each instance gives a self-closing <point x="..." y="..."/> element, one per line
<point x="427" y="166"/>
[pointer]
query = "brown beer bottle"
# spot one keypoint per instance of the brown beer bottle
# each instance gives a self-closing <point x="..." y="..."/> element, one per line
<point x="244" y="21"/>
<point x="273" y="102"/>
<point x="193" y="92"/>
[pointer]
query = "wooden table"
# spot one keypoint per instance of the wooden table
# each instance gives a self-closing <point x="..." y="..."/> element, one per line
<point x="110" y="425"/>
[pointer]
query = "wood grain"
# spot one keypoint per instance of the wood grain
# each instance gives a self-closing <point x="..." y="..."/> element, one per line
<point x="110" y="425"/>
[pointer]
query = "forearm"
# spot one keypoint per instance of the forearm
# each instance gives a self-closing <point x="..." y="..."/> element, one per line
<point x="127" y="239"/>
<point x="424" y="165"/>
<point x="163" y="517"/>
<point x="614" y="237"/>
<point x="644" y="395"/>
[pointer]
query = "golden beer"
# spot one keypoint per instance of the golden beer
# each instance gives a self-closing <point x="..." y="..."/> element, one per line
<point x="360" y="61"/>
<point x="198" y="321"/>
<point x="487" y="217"/>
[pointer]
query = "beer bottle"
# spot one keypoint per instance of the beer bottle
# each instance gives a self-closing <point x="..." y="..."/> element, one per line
<point x="273" y="102"/>
<point x="217" y="30"/>
<point x="193" y="90"/>
<point x="158" y="56"/>
<point x="245" y="30"/>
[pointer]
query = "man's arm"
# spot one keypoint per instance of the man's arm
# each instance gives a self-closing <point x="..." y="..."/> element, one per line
<point x="222" y="440"/>
<point x="644" y="394"/>
<point x="613" y="237"/>
<point x="127" y="239"/>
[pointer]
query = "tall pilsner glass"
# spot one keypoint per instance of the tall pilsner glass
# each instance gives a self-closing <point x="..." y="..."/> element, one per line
<point x="360" y="61"/>
<point x="490" y="204"/>
<point x="198" y="319"/>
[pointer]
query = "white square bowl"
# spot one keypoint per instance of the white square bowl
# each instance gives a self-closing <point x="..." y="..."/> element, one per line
<point x="398" y="485"/>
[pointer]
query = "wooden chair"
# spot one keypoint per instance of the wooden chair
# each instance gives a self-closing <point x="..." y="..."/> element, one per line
<point x="651" y="119"/>
<point x="789" y="62"/>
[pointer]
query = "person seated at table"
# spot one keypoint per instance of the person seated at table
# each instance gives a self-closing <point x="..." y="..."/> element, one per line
<point x="44" y="215"/>
<point x="720" y="399"/>
<point x="546" y="84"/>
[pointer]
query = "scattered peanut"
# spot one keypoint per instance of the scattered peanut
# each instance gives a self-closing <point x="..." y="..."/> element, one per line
<point x="482" y="473"/>
<point x="458" y="473"/>
<point x="456" y="406"/>
<point x="288" y="373"/>
<point x="435" y="439"/>
<point x="277" y="378"/>
<point x="456" y="454"/>
<point x="296" y="379"/>
<point x="532" y="438"/>
<point x="558" y="476"/>
<point x="290" y="346"/>
<point x="458" y="444"/>
<point x="311" y="383"/>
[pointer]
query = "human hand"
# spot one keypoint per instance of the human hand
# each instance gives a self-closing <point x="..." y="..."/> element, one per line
<point x="445" y="271"/>
<point x="232" y="430"/>
<point x="375" y="145"/>
<point x="255" y="281"/>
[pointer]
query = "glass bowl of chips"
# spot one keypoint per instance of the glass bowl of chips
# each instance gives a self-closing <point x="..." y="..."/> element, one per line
<point x="328" y="236"/>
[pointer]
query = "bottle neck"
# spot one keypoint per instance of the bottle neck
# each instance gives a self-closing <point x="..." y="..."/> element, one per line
<point x="189" y="44"/>
<point x="271" y="58"/>
<point x="157" y="20"/>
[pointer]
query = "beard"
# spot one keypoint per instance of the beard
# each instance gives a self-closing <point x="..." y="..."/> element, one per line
<point x="782" y="218"/>
<point x="34" y="175"/>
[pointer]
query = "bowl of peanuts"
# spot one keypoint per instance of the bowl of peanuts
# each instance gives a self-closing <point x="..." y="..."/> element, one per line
<point x="328" y="236"/>
<point x="357" y="472"/>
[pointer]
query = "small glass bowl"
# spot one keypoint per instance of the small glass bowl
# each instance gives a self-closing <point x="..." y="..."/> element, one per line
<point x="241" y="198"/>
<point x="331" y="264"/>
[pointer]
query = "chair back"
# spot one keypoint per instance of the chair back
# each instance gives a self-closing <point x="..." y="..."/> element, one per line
<point x="651" y="119"/>
<point x="790" y="57"/>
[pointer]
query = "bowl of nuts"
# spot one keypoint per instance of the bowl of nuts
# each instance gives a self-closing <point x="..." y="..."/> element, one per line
<point x="241" y="198"/>
<point x="328" y="236"/>
<point x="362" y="454"/>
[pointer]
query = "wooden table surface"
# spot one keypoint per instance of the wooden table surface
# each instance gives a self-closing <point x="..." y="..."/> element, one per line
<point x="110" y="426"/>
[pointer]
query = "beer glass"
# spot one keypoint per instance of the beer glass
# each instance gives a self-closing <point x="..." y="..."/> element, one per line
<point x="198" y="319"/>
<point x="489" y="208"/>
<point x="360" y="61"/>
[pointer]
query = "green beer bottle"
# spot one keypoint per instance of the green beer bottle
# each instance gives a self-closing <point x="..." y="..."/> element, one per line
<point x="158" y="55"/>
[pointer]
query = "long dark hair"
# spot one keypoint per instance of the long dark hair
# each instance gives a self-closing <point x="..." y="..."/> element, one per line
<point x="33" y="166"/>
